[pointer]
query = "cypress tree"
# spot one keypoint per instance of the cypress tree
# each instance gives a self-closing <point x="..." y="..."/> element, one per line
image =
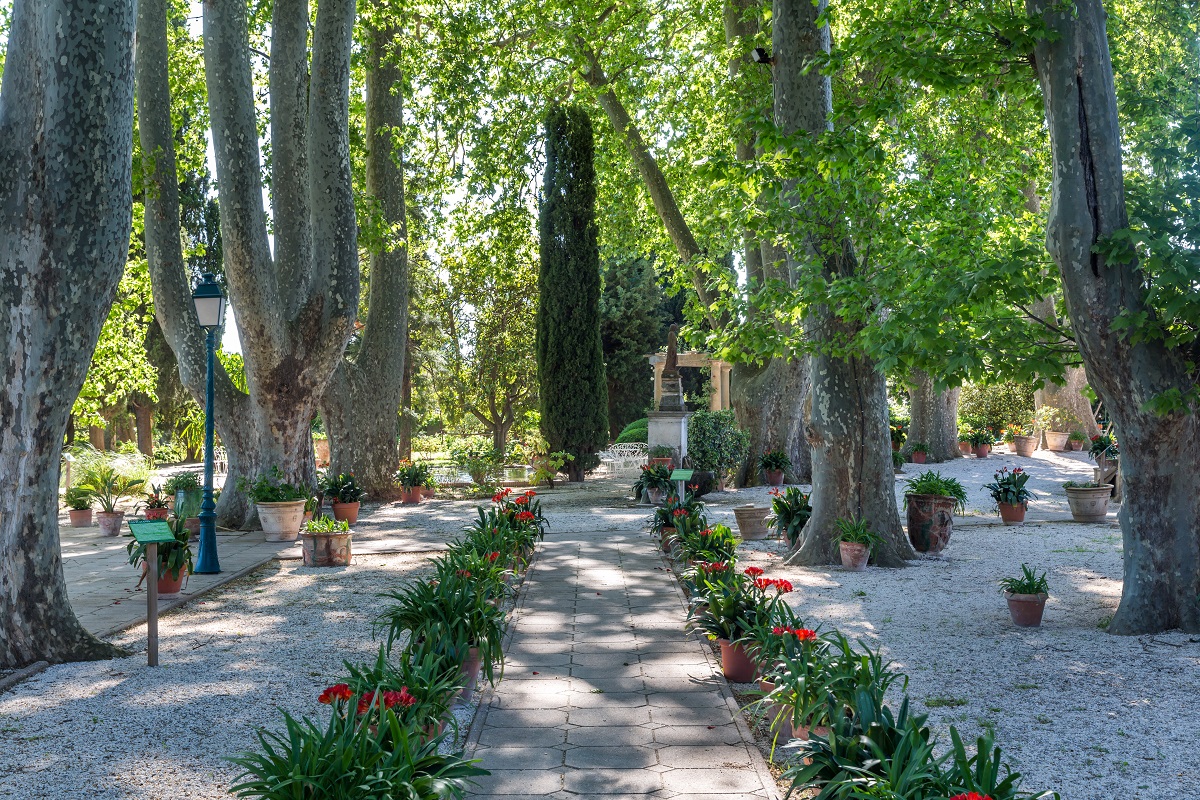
<point x="570" y="357"/>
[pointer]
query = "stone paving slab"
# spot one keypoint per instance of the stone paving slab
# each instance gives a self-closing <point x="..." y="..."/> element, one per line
<point x="603" y="695"/>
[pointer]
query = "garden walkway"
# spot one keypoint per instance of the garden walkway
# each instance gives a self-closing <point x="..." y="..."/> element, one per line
<point x="603" y="695"/>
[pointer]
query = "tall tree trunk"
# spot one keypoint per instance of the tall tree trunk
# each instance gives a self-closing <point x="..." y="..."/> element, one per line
<point x="143" y="415"/>
<point x="96" y="436"/>
<point x="406" y="412"/>
<point x="933" y="419"/>
<point x="1067" y="395"/>
<point x="361" y="407"/>
<point x="1160" y="518"/>
<point x="847" y="427"/>
<point x="169" y="279"/>
<point x="66" y="112"/>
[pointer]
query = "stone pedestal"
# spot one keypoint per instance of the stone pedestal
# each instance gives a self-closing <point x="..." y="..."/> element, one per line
<point x="669" y="429"/>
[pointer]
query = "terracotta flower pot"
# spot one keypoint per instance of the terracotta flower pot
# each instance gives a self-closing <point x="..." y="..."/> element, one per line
<point x="428" y="494"/>
<point x="411" y="496"/>
<point x="110" y="522"/>
<point x="1089" y="505"/>
<point x="80" y="517"/>
<point x="667" y="537"/>
<point x="308" y="515"/>
<point x="192" y="526"/>
<point x="1012" y="514"/>
<point x="854" y="556"/>
<point x="918" y="457"/>
<point x="751" y="522"/>
<point x="930" y="521"/>
<point x="774" y="477"/>
<point x="981" y="451"/>
<point x="964" y="448"/>
<point x="348" y="512"/>
<point x="281" y="521"/>
<point x="1026" y="609"/>
<point x="895" y="446"/>
<point x="157" y="513"/>
<point x="470" y="672"/>
<point x="321" y="452"/>
<point x="1075" y="444"/>
<point x="736" y="665"/>
<point x="167" y="585"/>
<point x="666" y="462"/>
<point x="1056" y="440"/>
<point x="326" y="549"/>
<point x="1024" y="445"/>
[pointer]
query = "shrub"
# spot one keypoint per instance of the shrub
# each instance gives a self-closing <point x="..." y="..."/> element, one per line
<point x="715" y="442"/>
<point x="636" y="431"/>
<point x="995" y="406"/>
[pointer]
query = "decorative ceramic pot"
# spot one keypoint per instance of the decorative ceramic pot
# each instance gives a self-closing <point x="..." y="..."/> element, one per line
<point x="281" y="521"/>
<point x="1089" y="505"/>
<point x="918" y="457"/>
<point x="1057" y="441"/>
<point x="348" y="512"/>
<point x="429" y="494"/>
<point x="308" y="515"/>
<point x="982" y="450"/>
<point x="655" y="496"/>
<point x="1012" y="514"/>
<point x="854" y="556"/>
<point x="751" y="521"/>
<point x="964" y="448"/>
<point x="1026" y="609"/>
<point x="411" y="496"/>
<point x="930" y="521"/>
<point x="321" y="452"/>
<point x="667" y="537"/>
<point x="326" y="549"/>
<point x="1024" y="445"/>
<point x="110" y="522"/>
<point x="157" y="513"/>
<point x="80" y="517"/>
<point x="774" y="477"/>
<point x="192" y="526"/>
<point x="735" y="664"/>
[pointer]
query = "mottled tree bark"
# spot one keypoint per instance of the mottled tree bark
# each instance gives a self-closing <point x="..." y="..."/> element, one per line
<point x="66" y="113"/>
<point x="361" y="407"/>
<point x="933" y="418"/>
<point x="1068" y="394"/>
<point x="852" y="474"/>
<point x="1160" y="518"/>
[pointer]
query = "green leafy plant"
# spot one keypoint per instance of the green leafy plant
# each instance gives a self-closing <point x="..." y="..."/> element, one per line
<point x="1028" y="582"/>
<point x="856" y="531"/>
<point x="412" y="475"/>
<point x="78" y="498"/>
<point x="325" y="524"/>
<point x="1104" y="446"/>
<point x="714" y="544"/>
<point x="1076" y="436"/>
<point x="661" y="451"/>
<point x="482" y="464"/>
<point x="269" y="487"/>
<point x="635" y="432"/>
<point x="898" y="459"/>
<point x="715" y="442"/>
<point x="920" y="447"/>
<point x="183" y="482"/>
<point x="653" y="476"/>
<point x="1009" y="487"/>
<point x="107" y="487"/>
<point x="774" y="461"/>
<point x="980" y="437"/>
<point x="155" y="498"/>
<point x="432" y="681"/>
<point x="173" y="557"/>
<point x="790" y="512"/>
<point x="547" y="466"/>
<point x="1052" y="418"/>
<point x="342" y="488"/>
<point x="1083" y="485"/>
<point x="731" y="605"/>
<point x="931" y="482"/>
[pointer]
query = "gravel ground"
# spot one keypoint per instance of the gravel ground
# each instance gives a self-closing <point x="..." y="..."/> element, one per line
<point x="1076" y="710"/>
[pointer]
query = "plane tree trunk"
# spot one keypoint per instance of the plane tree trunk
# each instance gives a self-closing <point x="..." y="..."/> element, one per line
<point x="1160" y="518"/>
<point x="66" y="113"/>
<point x="933" y="417"/>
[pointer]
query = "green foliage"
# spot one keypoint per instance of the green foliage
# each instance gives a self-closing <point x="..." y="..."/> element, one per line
<point x="546" y="467"/>
<point x="107" y="486"/>
<point x="412" y="475"/>
<point x="1009" y="487"/>
<point x="715" y="442"/>
<point x="790" y="512"/>
<point x="78" y="498"/>
<point x="995" y="405"/>
<point x="269" y="487"/>
<point x="857" y="531"/>
<point x="1104" y="445"/>
<point x="482" y="464"/>
<point x="653" y="476"/>
<point x="636" y="431"/>
<point x="342" y="488"/>
<point x="1029" y="582"/>
<point x="632" y="323"/>
<point x="933" y="482"/>
<point x="570" y="356"/>
<point x="774" y="461"/>
<point x="326" y="524"/>
<point x="1052" y="418"/>
<point x="173" y="557"/>
<point x="187" y="481"/>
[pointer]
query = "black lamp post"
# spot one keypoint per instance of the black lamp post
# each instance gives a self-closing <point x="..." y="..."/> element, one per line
<point x="210" y="312"/>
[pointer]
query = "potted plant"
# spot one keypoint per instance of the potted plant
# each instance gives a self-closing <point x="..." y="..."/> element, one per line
<point x="774" y="464"/>
<point x="156" y="504"/>
<point x="325" y="542"/>
<point x="1021" y="439"/>
<point x="1012" y="498"/>
<point x="310" y="508"/>
<point x="1026" y="597"/>
<point x="411" y="480"/>
<point x="1104" y="450"/>
<point x="964" y="439"/>
<point x="790" y="511"/>
<point x="187" y="493"/>
<point x="897" y="431"/>
<point x="732" y="604"/>
<point x="660" y="454"/>
<point x="79" y="506"/>
<point x="898" y="462"/>
<point x="981" y="441"/>
<point x="1076" y="439"/>
<point x="1088" y="500"/>
<point x="654" y="484"/>
<point x="930" y="501"/>
<point x="321" y="449"/>
<point x="919" y="452"/>
<point x="174" y="558"/>
<point x="107" y="488"/>
<point x="345" y="494"/>
<point x="1057" y="424"/>
<point x="429" y="487"/>
<point x="856" y="542"/>
<point x="280" y="504"/>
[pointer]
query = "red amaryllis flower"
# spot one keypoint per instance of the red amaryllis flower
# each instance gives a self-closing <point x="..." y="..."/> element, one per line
<point x="530" y="493"/>
<point x="365" y="702"/>
<point x="679" y="512"/>
<point x="339" y="691"/>
<point x="971" y="796"/>
<point x="492" y="556"/>
<point x="782" y="586"/>
<point x="753" y="572"/>
<point x="522" y="500"/>
<point x="526" y="516"/>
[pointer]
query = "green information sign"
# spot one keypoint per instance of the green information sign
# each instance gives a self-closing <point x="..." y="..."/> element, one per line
<point x="682" y="474"/>
<point x="151" y="532"/>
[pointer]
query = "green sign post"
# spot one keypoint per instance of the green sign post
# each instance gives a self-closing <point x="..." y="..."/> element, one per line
<point x="683" y="476"/>
<point x="152" y="534"/>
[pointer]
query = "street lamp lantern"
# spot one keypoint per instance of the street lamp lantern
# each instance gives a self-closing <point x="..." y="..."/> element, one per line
<point x="210" y="302"/>
<point x="210" y="312"/>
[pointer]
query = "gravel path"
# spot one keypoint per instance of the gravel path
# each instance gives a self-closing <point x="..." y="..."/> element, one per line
<point x="1089" y="715"/>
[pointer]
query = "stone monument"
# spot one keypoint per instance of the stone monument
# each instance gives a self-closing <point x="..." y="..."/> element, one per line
<point x="668" y="422"/>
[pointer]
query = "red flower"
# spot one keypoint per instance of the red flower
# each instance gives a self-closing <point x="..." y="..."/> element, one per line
<point x="778" y="631"/>
<point x="706" y="532"/>
<point x="805" y="635"/>
<point x="679" y="512"/>
<point x="782" y="586"/>
<point x="463" y="573"/>
<point x="971" y="796"/>
<point x="400" y="698"/>
<point x="365" y="702"/>
<point x="492" y="556"/>
<point x="522" y="500"/>
<point x="693" y="486"/>
<point x="531" y="493"/>
<point x="339" y="691"/>
<point x="753" y="572"/>
<point x="775" y="493"/>
<point x="526" y="516"/>
<point x="762" y="584"/>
